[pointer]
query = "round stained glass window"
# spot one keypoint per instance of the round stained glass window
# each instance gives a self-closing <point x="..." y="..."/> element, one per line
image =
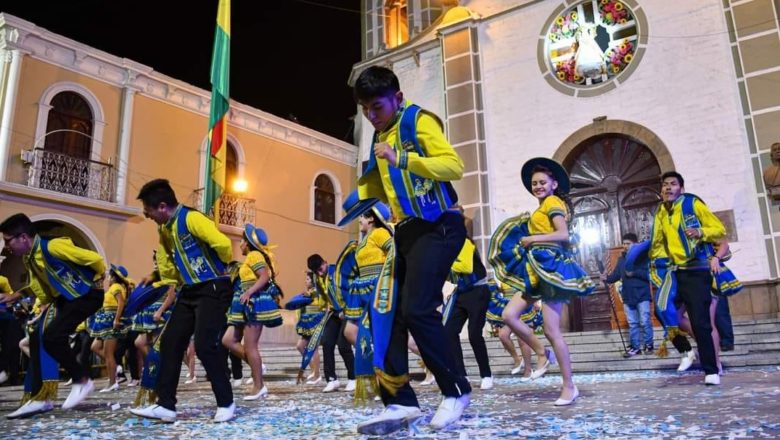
<point x="589" y="44"/>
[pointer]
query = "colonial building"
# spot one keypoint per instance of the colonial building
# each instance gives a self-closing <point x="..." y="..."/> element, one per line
<point x="81" y="130"/>
<point x="619" y="91"/>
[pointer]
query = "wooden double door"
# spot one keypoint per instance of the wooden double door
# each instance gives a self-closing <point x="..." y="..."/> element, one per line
<point x="615" y="190"/>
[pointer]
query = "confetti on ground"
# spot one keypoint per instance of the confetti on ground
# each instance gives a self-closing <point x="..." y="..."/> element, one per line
<point x="629" y="405"/>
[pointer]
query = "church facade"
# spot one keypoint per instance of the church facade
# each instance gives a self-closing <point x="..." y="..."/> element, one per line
<point x="617" y="91"/>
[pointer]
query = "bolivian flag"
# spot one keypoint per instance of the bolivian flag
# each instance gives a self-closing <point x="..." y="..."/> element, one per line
<point x="220" y="93"/>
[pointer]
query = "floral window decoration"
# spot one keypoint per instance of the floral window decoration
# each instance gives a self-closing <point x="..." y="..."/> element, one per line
<point x="592" y="42"/>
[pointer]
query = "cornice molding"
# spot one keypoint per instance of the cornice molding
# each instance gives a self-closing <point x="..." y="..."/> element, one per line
<point x="41" y="44"/>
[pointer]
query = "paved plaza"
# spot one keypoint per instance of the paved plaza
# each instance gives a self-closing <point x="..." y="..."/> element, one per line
<point x="645" y="404"/>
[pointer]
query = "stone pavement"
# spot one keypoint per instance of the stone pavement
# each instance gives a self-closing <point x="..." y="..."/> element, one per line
<point x="644" y="404"/>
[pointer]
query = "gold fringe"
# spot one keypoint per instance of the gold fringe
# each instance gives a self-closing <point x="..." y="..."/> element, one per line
<point x="299" y="379"/>
<point x="48" y="391"/>
<point x="390" y="383"/>
<point x="366" y="388"/>
<point x="671" y="333"/>
<point x="144" y="397"/>
<point x="26" y="397"/>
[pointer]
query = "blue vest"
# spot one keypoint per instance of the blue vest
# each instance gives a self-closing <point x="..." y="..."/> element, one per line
<point x="69" y="280"/>
<point x="699" y="252"/>
<point x="196" y="261"/>
<point x="418" y="196"/>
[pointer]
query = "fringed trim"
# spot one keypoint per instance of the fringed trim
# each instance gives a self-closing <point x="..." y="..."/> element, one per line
<point x="299" y="379"/>
<point x="390" y="383"/>
<point x="26" y="397"/>
<point x="671" y="333"/>
<point x="144" y="397"/>
<point x="47" y="392"/>
<point x="366" y="387"/>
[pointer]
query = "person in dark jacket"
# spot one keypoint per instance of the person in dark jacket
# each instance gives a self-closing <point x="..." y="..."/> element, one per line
<point x="635" y="292"/>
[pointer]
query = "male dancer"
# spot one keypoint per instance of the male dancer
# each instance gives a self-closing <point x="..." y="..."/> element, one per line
<point x="682" y="226"/>
<point x="411" y="165"/>
<point x="67" y="276"/>
<point x="194" y="248"/>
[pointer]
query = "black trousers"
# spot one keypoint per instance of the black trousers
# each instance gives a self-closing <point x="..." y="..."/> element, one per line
<point x="69" y="315"/>
<point x="334" y="335"/>
<point x="126" y="344"/>
<point x="723" y="322"/>
<point x="201" y="310"/>
<point x="470" y="305"/>
<point x="83" y="351"/>
<point x="425" y="252"/>
<point x="11" y="332"/>
<point x="693" y="290"/>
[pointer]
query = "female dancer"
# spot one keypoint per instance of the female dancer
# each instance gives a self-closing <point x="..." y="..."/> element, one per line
<point x="255" y="305"/>
<point x="370" y="255"/>
<point x="308" y="318"/>
<point x="530" y="253"/>
<point x="107" y="324"/>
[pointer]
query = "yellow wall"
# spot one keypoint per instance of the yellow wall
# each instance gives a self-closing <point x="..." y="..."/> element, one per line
<point x="166" y="141"/>
<point x="36" y="76"/>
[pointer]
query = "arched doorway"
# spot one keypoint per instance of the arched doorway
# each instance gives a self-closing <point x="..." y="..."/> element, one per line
<point x="615" y="189"/>
<point x="50" y="226"/>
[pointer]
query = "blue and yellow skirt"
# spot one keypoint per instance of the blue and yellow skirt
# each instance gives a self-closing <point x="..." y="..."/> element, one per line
<point x="308" y="318"/>
<point x="260" y="309"/>
<point x="531" y="316"/>
<point x="544" y="271"/>
<point x="361" y="292"/>
<point x="101" y="324"/>
<point x="143" y="321"/>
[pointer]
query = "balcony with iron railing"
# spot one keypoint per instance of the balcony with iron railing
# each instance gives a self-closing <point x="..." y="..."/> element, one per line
<point x="66" y="174"/>
<point x="234" y="210"/>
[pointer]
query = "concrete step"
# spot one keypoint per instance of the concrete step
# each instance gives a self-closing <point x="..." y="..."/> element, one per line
<point x="757" y="344"/>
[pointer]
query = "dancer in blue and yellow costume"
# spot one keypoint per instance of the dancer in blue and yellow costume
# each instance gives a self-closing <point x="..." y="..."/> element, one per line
<point x="69" y="278"/>
<point x="370" y="253"/>
<point x="149" y="308"/>
<point x="255" y="305"/>
<point x="108" y="325"/>
<point x="531" y="253"/>
<point x="42" y="377"/>
<point x="309" y="317"/>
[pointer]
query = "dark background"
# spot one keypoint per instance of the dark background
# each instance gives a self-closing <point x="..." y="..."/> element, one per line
<point x="291" y="58"/>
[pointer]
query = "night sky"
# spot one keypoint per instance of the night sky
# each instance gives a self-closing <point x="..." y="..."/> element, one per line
<point x="290" y="58"/>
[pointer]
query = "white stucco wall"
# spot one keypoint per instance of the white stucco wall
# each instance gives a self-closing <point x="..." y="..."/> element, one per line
<point x="684" y="90"/>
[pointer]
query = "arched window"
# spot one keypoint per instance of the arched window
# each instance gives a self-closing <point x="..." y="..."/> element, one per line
<point x="70" y="124"/>
<point x="324" y="200"/>
<point x="396" y="23"/>
<point x="231" y="167"/>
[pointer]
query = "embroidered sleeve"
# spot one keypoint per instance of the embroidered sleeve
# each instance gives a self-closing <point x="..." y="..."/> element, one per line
<point x="554" y="206"/>
<point x="381" y="239"/>
<point x="712" y="228"/>
<point x="441" y="162"/>
<point x="64" y="249"/>
<point x="255" y="261"/>
<point x="207" y="231"/>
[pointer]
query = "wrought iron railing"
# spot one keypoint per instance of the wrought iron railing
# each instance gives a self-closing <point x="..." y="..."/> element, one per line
<point x="233" y="209"/>
<point x="70" y="175"/>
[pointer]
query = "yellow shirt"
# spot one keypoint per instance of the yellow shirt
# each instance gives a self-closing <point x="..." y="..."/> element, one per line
<point x="202" y="228"/>
<point x="541" y="221"/>
<point x="63" y="249"/>
<point x="109" y="298"/>
<point x="373" y="249"/>
<point x="5" y="286"/>
<point x="253" y="262"/>
<point x="441" y="162"/>
<point x="666" y="231"/>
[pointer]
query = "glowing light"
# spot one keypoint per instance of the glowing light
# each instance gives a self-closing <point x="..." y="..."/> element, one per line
<point x="590" y="236"/>
<point x="240" y="186"/>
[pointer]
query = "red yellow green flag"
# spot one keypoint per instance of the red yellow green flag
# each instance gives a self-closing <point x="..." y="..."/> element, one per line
<point x="220" y="93"/>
